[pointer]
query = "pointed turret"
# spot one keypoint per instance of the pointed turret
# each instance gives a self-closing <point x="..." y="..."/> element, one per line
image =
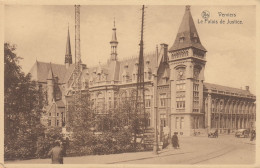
<point x="68" y="56"/>
<point x="187" y="35"/>
<point x="113" y="44"/>
<point x="50" y="86"/>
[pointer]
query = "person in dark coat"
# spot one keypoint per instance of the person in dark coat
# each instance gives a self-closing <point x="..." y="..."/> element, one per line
<point x="65" y="146"/>
<point x="56" y="154"/>
<point x="252" y="135"/>
<point x="175" y="141"/>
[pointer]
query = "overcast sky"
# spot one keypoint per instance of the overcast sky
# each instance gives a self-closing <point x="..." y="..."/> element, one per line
<point x="40" y="32"/>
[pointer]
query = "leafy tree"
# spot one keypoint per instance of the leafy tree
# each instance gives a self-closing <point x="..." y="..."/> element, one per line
<point x="22" y="108"/>
<point x="44" y="144"/>
<point x="80" y="122"/>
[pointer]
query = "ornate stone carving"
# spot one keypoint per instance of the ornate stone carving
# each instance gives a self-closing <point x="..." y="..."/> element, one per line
<point x="180" y="54"/>
<point x="196" y="73"/>
<point x="180" y="73"/>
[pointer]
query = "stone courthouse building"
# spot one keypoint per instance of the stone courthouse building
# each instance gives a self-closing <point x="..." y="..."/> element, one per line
<point x="174" y="78"/>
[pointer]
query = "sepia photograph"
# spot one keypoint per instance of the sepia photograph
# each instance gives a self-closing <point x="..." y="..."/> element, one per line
<point x="140" y="84"/>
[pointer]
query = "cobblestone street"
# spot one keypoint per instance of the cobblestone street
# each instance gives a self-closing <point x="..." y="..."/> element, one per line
<point x="193" y="150"/>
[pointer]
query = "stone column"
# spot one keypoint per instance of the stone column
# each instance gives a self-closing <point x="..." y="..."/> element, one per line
<point x="232" y="110"/>
<point x="209" y="111"/>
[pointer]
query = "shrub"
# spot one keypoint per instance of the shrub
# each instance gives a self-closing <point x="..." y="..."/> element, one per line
<point x="45" y="143"/>
<point x="107" y="143"/>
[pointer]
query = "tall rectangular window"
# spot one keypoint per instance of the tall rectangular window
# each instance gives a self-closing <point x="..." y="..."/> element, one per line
<point x="180" y="103"/>
<point x="147" y="101"/>
<point x="148" y="117"/>
<point x="163" y="120"/>
<point x="163" y="100"/>
<point x="180" y="85"/>
<point x="196" y="122"/>
<point x="176" y="122"/>
<point x="180" y="94"/>
<point x="182" y="122"/>
<point x="196" y="97"/>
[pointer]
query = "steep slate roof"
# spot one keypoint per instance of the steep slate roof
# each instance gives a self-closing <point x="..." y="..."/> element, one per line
<point x="50" y="74"/>
<point x="110" y="69"/>
<point x="40" y="71"/>
<point x="53" y="108"/>
<point x="115" y="69"/>
<point x="132" y="64"/>
<point x="68" y="73"/>
<point x="210" y="86"/>
<point x="60" y="103"/>
<point x="188" y="31"/>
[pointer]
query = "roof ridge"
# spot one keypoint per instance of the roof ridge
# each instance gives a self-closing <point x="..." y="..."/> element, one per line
<point x="147" y="54"/>
<point x="50" y="62"/>
<point x="229" y="87"/>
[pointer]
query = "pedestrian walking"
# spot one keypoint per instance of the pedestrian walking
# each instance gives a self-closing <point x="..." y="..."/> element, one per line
<point x="175" y="141"/>
<point x="65" y="146"/>
<point x="56" y="154"/>
<point x="216" y="133"/>
<point x="252" y="135"/>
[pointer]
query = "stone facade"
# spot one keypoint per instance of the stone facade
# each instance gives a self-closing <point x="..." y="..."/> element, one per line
<point x="174" y="82"/>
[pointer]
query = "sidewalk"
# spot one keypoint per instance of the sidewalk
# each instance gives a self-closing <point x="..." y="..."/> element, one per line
<point x="191" y="148"/>
<point x="123" y="157"/>
<point x="120" y="158"/>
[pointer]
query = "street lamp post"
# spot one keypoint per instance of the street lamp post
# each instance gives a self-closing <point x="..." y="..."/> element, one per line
<point x="155" y="146"/>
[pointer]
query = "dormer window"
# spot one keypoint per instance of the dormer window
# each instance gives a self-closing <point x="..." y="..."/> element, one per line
<point x="181" y="39"/>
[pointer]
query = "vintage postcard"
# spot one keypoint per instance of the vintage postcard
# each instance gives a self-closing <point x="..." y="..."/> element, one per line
<point x="132" y="83"/>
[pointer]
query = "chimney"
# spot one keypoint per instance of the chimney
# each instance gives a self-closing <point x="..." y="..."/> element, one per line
<point x="164" y="48"/>
<point x="247" y="88"/>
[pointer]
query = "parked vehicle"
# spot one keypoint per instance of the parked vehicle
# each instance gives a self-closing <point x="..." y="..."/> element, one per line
<point x="242" y="133"/>
<point x="213" y="133"/>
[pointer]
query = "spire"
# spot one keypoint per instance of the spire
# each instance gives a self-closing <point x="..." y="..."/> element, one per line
<point x="113" y="44"/>
<point x="50" y="74"/>
<point x="187" y="34"/>
<point x="50" y="86"/>
<point x="68" y="56"/>
<point x="114" y="39"/>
